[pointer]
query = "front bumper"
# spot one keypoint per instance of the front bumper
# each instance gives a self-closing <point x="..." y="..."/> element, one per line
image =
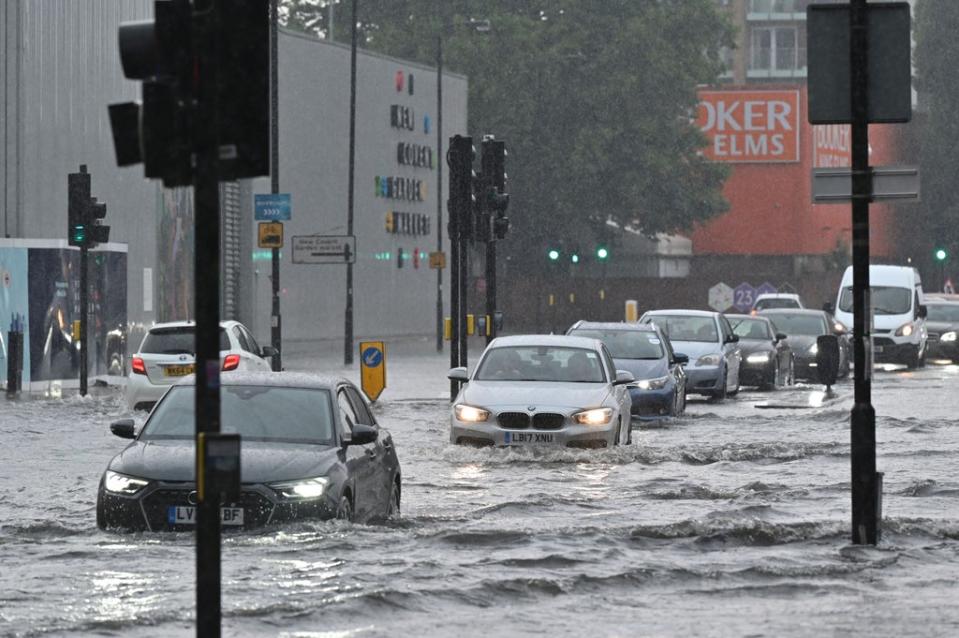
<point x="704" y="379"/>
<point x="150" y="509"/>
<point x="757" y="374"/>
<point x="653" y="403"/>
<point x="936" y="349"/>
<point x="490" y="433"/>
<point x="887" y="350"/>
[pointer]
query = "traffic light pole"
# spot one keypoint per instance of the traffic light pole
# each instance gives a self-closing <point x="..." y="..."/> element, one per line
<point x="207" y="306"/>
<point x="490" y="288"/>
<point x="866" y="483"/>
<point x="276" y="322"/>
<point x="439" y="189"/>
<point x="84" y="313"/>
<point x="348" y="319"/>
<point x="454" y="230"/>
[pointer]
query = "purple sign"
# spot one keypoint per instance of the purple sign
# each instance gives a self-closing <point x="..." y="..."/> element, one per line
<point x="766" y="289"/>
<point x="744" y="295"/>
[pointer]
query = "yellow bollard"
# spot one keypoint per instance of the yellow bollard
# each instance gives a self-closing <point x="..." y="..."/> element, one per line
<point x="447" y="329"/>
<point x="632" y="311"/>
<point x="470" y="325"/>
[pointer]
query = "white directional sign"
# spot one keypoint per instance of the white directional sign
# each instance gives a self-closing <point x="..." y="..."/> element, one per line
<point x="720" y="297"/>
<point x="832" y="185"/>
<point x="324" y="249"/>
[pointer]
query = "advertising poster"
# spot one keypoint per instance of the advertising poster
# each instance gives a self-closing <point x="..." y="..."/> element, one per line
<point x="13" y="301"/>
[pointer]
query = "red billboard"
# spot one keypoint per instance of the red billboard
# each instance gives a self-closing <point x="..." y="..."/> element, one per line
<point x="758" y="126"/>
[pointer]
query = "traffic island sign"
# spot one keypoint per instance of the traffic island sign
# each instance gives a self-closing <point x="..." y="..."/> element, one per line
<point x="272" y="207"/>
<point x="437" y="260"/>
<point x="373" y="368"/>
<point x="324" y="249"/>
<point x="720" y="297"/>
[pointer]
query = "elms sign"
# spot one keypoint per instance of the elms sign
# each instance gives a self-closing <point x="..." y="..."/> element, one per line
<point x="750" y="126"/>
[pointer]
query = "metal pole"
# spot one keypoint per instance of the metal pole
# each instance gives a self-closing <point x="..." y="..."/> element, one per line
<point x="348" y="336"/>
<point x="84" y="310"/>
<point x="465" y="219"/>
<point x="439" y="189"/>
<point x="490" y="285"/>
<point x="329" y="12"/>
<point x="865" y="482"/>
<point x="454" y="230"/>
<point x="276" y="322"/>
<point x="206" y="295"/>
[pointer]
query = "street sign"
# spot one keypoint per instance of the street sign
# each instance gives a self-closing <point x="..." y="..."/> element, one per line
<point x="270" y="235"/>
<point x="766" y="288"/>
<point x="373" y="368"/>
<point x="744" y="296"/>
<point x="437" y="260"/>
<point x="889" y="69"/>
<point x="831" y="185"/>
<point x="272" y="207"/>
<point x="720" y="297"/>
<point x="324" y="249"/>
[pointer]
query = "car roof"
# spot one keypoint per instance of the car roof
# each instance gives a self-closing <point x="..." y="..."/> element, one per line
<point x="274" y="379"/>
<point x="792" y="311"/>
<point x="681" y="311"/>
<point x="546" y="340"/>
<point x="778" y="295"/>
<point x="188" y="323"/>
<point x="940" y="298"/>
<point x="757" y="317"/>
<point x="614" y="325"/>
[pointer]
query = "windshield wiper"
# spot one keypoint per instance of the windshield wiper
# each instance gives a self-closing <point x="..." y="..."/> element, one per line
<point x="885" y="311"/>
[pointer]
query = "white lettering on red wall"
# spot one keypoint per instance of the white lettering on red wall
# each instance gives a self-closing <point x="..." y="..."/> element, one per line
<point x="750" y="126"/>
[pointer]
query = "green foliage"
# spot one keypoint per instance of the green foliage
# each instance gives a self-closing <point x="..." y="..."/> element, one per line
<point x="595" y="100"/>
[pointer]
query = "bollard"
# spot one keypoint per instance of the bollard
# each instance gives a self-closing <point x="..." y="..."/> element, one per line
<point x="15" y="357"/>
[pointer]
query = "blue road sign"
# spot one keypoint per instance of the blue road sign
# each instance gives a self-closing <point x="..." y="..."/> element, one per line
<point x="273" y="207"/>
<point x="766" y="288"/>
<point x="744" y="295"/>
<point x="372" y="357"/>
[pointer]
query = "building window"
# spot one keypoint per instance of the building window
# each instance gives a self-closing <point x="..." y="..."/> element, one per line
<point x="774" y="49"/>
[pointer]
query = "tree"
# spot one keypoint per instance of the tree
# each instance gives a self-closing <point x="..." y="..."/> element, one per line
<point x="596" y="101"/>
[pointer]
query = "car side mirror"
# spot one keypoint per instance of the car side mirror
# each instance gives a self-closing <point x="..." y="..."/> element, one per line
<point x="363" y="434"/>
<point x="680" y="358"/>
<point x="124" y="428"/>
<point x="624" y="377"/>
<point x="268" y="351"/>
<point x="829" y="307"/>
<point x="458" y="374"/>
<point x="780" y="336"/>
<point x="732" y="339"/>
<point x="922" y="312"/>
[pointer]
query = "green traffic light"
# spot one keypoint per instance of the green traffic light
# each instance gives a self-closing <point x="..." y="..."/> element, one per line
<point x="79" y="234"/>
<point x="602" y="253"/>
<point x="574" y="259"/>
<point x="553" y="254"/>
<point x="941" y="254"/>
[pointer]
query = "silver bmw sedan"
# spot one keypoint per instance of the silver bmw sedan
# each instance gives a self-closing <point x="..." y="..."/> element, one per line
<point x="542" y="390"/>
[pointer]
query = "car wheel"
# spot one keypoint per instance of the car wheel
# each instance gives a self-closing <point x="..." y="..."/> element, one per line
<point x="791" y="375"/>
<point x="682" y="402"/>
<point x="912" y="359"/>
<point x="718" y="396"/>
<point x="393" y="512"/>
<point x="618" y="430"/>
<point x="344" y="512"/>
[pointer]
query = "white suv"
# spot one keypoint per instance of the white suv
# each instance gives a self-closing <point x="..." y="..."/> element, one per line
<point x="776" y="300"/>
<point x="167" y="353"/>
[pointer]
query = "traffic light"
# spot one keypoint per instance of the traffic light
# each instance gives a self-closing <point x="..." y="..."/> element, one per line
<point x="574" y="258"/>
<point x="461" y="204"/>
<point x="494" y="181"/>
<point x="162" y="53"/>
<point x="941" y="254"/>
<point x="97" y="233"/>
<point x="553" y="254"/>
<point x="84" y="212"/>
<point x="602" y="253"/>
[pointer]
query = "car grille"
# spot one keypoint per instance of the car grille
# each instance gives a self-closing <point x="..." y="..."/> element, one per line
<point x="548" y="421"/>
<point x="513" y="420"/>
<point x="256" y="507"/>
<point x="883" y="341"/>
<point x="933" y="336"/>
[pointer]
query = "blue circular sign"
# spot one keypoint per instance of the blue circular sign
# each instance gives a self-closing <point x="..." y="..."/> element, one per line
<point x="372" y="357"/>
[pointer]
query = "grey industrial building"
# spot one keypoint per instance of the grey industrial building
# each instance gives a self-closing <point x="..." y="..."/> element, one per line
<point x="60" y="68"/>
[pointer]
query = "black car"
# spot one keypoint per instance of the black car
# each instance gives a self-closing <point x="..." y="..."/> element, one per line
<point x="802" y="328"/>
<point x="643" y="350"/>
<point x="310" y="449"/>
<point x="942" y="324"/>
<point x="767" y="356"/>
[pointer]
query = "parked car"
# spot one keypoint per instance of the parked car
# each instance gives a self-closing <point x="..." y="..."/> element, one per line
<point x="660" y="387"/>
<point x="542" y="390"/>
<point x="168" y="352"/>
<point x="768" y="300"/>
<point x="899" y="316"/>
<point x="942" y="325"/>
<point x="310" y="449"/>
<point x="767" y="357"/>
<point x="708" y="340"/>
<point x="802" y="328"/>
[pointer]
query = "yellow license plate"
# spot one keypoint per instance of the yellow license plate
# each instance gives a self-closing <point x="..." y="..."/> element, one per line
<point x="177" y="371"/>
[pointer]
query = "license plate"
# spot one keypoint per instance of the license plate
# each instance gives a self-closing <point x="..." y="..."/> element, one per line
<point x="514" y="438"/>
<point x="186" y="515"/>
<point x="177" y="371"/>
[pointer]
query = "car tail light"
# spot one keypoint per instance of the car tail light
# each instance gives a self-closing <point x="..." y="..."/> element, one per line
<point x="138" y="366"/>
<point x="231" y="362"/>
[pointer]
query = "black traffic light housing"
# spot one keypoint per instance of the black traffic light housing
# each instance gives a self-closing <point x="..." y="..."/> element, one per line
<point x="495" y="197"/>
<point x="461" y="202"/>
<point x="84" y="212"/>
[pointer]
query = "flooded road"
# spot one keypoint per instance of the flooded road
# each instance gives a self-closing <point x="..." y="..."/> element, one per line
<point x="730" y="521"/>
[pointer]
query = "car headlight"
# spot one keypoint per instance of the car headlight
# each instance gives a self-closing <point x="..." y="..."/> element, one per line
<point x="652" y="384"/>
<point x="948" y="336"/>
<point x="470" y="414"/>
<point x="814" y="348"/>
<point x="905" y="330"/>
<point x="302" y="489"/>
<point x="123" y="484"/>
<point x="759" y="357"/>
<point x="598" y="416"/>
<point x="708" y="360"/>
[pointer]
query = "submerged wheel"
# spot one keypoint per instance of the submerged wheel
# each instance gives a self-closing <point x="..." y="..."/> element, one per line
<point x="393" y="510"/>
<point x="344" y="511"/>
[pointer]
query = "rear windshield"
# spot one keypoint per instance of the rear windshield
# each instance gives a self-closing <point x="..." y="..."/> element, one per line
<point x="627" y="344"/>
<point x="177" y="340"/>
<point x="681" y="328"/>
<point x="257" y="413"/>
<point x="943" y="312"/>
<point x="807" y="325"/>
<point x="762" y="304"/>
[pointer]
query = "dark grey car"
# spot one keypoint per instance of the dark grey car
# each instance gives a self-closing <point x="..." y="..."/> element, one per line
<point x="802" y="328"/>
<point x="768" y="360"/>
<point x="310" y="449"/>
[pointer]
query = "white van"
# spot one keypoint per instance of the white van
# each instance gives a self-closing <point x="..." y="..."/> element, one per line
<point x="899" y="316"/>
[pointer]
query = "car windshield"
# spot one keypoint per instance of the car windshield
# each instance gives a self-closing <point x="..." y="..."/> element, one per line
<point x="776" y="302"/>
<point x="751" y="329"/>
<point x="686" y="328"/>
<point x="808" y="325"/>
<point x="541" y="363"/>
<point x="886" y="300"/>
<point x="943" y="312"/>
<point x="627" y="344"/>
<point x="256" y="413"/>
<point x="178" y="340"/>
